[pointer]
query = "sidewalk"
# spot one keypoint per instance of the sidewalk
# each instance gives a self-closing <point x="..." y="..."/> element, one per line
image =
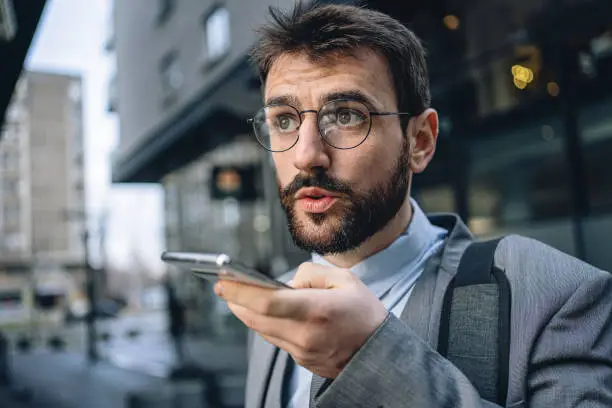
<point x="154" y="355"/>
<point x="128" y="365"/>
<point x="68" y="381"/>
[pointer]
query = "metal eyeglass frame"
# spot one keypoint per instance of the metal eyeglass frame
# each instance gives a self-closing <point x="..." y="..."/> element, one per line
<point x="251" y="121"/>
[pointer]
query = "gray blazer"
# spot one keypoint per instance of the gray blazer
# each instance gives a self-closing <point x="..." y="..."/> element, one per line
<point x="560" y="346"/>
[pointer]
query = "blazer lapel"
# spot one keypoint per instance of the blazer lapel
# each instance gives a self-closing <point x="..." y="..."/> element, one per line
<point x="423" y="309"/>
<point x="418" y="310"/>
<point x="277" y="381"/>
<point x="261" y="362"/>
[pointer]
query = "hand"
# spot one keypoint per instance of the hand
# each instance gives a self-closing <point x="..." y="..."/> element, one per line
<point x="322" y="323"/>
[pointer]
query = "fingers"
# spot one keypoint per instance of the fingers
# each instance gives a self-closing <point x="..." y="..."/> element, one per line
<point x="266" y="326"/>
<point x="313" y="276"/>
<point x="309" y="283"/>
<point x="275" y="331"/>
<point x="301" y="358"/>
<point x="278" y="303"/>
<point x="278" y="342"/>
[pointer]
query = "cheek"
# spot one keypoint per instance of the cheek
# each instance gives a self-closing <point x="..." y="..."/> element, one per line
<point x="359" y="167"/>
<point x="373" y="160"/>
<point x="284" y="168"/>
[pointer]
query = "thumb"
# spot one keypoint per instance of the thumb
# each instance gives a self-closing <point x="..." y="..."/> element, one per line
<point x="313" y="276"/>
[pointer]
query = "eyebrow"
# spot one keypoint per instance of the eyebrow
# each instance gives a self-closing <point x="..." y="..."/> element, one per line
<point x="282" y="100"/>
<point x="349" y="94"/>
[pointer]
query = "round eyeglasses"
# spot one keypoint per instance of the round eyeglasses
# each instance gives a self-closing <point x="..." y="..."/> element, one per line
<point x="343" y="124"/>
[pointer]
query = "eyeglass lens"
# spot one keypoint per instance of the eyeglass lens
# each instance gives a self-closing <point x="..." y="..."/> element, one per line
<point x="342" y="124"/>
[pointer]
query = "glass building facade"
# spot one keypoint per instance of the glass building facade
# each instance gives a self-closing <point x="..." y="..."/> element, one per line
<point x="524" y="92"/>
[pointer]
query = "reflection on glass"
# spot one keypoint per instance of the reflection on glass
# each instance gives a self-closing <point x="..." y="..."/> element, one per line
<point x="518" y="177"/>
<point x="596" y="124"/>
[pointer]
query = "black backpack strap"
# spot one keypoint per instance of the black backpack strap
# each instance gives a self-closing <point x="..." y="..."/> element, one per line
<point x="475" y="322"/>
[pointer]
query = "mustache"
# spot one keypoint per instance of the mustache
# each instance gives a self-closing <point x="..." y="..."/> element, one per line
<point x="318" y="179"/>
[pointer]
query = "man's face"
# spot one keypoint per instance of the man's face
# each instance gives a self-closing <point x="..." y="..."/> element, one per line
<point x="336" y="199"/>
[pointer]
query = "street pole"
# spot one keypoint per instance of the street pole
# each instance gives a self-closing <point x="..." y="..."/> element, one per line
<point x="92" y="350"/>
<point x="566" y="59"/>
<point x="90" y="287"/>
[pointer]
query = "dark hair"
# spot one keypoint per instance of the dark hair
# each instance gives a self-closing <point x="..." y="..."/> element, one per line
<point x="323" y="31"/>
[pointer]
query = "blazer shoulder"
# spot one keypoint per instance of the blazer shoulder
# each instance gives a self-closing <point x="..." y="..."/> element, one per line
<point x="535" y="266"/>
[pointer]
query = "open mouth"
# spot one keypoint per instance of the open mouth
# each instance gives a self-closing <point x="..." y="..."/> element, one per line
<point x="315" y="200"/>
<point x="314" y="193"/>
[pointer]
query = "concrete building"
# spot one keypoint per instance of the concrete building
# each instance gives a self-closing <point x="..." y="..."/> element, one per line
<point x="42" y="195"/>
<point x="192" y="53"/>
<point x="523" y="133"/>
<point x="18" y="24"/>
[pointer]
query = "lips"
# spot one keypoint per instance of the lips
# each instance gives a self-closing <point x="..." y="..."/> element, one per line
<point x="315" y="200"/>
<point x="314" y="192"/>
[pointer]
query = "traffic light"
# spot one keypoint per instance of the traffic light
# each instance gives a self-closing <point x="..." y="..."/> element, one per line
<point x="242" y="183"/>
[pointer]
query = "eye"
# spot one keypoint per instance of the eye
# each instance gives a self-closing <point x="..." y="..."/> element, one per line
<point x="343" y="115"/>
<point x="348" y="117"/>
<point x="286" y="123"/>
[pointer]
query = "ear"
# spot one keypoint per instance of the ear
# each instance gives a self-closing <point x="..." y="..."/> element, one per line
<point x="422" y="136"/>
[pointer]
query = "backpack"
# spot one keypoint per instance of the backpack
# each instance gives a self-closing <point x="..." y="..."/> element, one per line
<point x="475" y="322"/>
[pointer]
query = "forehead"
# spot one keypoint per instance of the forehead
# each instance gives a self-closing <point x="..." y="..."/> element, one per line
<point x="309" y="81"/>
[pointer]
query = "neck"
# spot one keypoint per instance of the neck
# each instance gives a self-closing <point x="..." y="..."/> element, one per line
<point x="377" y="242"/>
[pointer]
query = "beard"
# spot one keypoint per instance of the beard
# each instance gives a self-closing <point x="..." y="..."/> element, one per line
<point x="356" y="216"/>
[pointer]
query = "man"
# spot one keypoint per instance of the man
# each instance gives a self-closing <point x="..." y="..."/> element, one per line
<point x="348" y="120"/>
<point x="176" y="318"/>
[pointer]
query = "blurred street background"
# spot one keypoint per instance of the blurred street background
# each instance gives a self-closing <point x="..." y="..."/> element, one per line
<point x="124" y="133"/>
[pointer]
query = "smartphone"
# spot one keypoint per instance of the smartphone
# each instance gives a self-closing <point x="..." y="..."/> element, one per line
<point x="220" y="266"/>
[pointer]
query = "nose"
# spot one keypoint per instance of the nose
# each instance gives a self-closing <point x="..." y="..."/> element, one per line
<point x="310" y="150"/>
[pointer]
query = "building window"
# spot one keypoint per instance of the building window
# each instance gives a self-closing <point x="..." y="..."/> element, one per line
<point x="79" y="185"/>
<point x="79" y="159"/>
<point x="75" y="91"/>
<point x="9" y="161"/>
<point x="7" y="132"/>
<point x="11" y="214"/>
<point x="111" y="39"/>
<point x="171" y="75"/>
<point x="8" y="21"/>
<point x="112" y="95"/>
<point x="11" y="186"/>
<point x="15" y="113"/>
<point x="165" y="8"/>
<point x="216" y="35"/>
<point x="11" y="131"/>
<point x="21" y="89"/>
<point x="14" y="241"/>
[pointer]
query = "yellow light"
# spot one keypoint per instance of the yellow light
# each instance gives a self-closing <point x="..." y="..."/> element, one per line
<point x="520" y="84"/>
<point x="451" y="22"/>
<point x="522" y="73"/>
<point x="553" y="88"/>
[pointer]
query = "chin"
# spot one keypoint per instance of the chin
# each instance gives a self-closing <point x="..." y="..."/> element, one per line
<point x="328" y="220"/>
<point x="315" y="230"/>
